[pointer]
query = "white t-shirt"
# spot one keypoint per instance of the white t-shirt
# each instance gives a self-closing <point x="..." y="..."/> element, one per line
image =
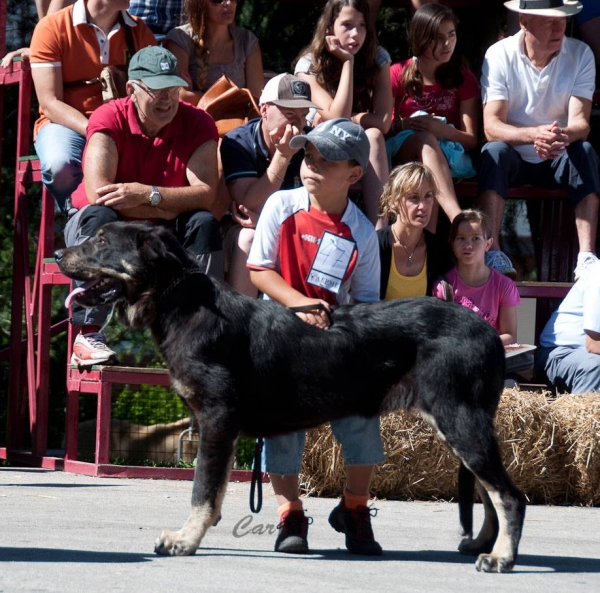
<point x="326" y="256"/>
<point x="537" y="97"/>
<point x="579" y="311"/>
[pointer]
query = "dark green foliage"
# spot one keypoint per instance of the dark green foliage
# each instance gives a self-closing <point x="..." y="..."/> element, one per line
<point x="148" y="404"/>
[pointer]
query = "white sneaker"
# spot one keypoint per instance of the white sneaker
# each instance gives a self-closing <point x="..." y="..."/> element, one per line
<point x="500" y="261"/>
<point x="91" y="349"/>
<point x="584" y="260"/>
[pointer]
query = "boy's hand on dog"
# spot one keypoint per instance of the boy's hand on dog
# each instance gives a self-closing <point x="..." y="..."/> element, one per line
<point x="318" y="317"/>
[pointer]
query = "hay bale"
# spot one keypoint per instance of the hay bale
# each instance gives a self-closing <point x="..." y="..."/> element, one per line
<point x="532" y="446"/>
<point x="549" y="446"/>
<point x="579" y="419"/>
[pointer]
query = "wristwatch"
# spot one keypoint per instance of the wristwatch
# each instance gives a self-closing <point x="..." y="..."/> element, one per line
<point x="154" y="198"/>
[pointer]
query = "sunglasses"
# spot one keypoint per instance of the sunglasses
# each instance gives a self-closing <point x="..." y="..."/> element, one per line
<point x="223" y="1"/>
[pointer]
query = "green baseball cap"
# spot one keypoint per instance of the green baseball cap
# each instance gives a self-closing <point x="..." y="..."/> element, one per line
<point x="156" y="67"/>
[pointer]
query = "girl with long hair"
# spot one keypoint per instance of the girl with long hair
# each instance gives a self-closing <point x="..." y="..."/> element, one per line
<point x="210" y="45"/>
<point x="435" y="80"/>
<point x="349" y="77"/>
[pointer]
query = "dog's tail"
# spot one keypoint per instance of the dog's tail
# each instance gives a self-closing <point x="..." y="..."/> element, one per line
<point x="466" y="499"/>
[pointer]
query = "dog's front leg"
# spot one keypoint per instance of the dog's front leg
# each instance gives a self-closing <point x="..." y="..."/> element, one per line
<point x="215" y="456"/>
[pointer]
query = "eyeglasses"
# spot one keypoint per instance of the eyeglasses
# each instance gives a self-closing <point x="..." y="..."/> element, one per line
<point x="223" y="1"/>
<point x="154" y="94"/>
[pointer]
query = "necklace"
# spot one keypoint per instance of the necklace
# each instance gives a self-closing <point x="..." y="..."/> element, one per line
<point x="409" y="262"/>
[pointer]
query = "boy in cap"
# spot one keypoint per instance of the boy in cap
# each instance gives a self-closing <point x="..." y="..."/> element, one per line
<point x="257" y="161"/>
<point x="291" y="262"/>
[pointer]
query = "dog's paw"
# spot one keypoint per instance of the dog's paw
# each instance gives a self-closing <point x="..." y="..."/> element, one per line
<point x="474" y="547"/>
<point x="491" y="563"/>
<point x="172" y="543"/>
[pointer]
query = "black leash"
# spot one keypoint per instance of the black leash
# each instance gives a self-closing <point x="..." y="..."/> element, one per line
<point x="256" y="483"/>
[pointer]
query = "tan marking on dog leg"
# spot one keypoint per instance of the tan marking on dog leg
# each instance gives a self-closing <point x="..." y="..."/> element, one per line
<point x="182" y="389"/>
<point x="502" y="557"/>
<point x="185" y="542"/>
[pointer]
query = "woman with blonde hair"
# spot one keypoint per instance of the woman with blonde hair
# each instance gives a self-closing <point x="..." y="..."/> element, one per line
<point x="412" y="258"/>
<point x="349" y="76"/>
<point x="210" y="45"/>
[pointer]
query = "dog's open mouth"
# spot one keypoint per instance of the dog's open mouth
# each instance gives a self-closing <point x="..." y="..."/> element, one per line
<point x="104" y="291"/>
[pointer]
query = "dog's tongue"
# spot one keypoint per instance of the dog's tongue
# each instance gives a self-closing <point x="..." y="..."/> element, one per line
<point x="78" y="290"/>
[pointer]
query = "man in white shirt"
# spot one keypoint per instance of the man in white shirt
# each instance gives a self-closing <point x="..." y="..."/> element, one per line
<point x="569" y="352"/>
<point x="537" y="89"/>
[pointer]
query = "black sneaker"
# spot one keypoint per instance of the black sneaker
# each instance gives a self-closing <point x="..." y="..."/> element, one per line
<point x="293" y="531"/>
<point x="356" y="525"/>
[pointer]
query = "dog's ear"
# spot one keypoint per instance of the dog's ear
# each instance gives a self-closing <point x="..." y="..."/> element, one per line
<point x="159" y="245"/>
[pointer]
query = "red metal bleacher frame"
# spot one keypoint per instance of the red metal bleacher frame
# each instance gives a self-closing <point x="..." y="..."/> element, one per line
<point x="31" y="300"/>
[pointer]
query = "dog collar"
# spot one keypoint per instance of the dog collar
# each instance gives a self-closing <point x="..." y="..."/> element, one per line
<point x="175" y="283"/>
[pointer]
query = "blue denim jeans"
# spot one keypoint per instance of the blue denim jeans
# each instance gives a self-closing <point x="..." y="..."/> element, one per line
<point x="501" y="167"/>
<point x="60" y="150"/>
<point x="570" y="369"/>
<point x="359" y="437"/>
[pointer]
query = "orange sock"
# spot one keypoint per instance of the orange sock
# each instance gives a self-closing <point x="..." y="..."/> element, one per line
<point x="294" y="505"/>
<point x="351" y="501"/>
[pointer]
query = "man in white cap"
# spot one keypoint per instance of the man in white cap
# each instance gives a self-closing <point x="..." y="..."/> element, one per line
<point x="257" y="161"/>
<point x="537" y="89"/>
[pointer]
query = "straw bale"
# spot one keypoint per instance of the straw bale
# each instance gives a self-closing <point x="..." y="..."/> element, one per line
<point x="579" y="418"/>
<point x="549" y="445"/>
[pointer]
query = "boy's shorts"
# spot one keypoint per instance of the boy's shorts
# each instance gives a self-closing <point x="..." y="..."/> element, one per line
<point x="359" y="437"/>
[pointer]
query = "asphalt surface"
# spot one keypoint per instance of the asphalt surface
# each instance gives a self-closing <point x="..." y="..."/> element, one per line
<point x="64" y="532"/>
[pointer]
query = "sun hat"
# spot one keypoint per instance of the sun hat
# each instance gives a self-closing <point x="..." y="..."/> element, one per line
<point x="285" y="90"/>
<point x="545" y="7"/>
<point x="156" y="67"/>
<point x="337" y="140"/>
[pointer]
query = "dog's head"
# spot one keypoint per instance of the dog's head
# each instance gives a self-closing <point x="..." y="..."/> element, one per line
<point x="128" y="263"/>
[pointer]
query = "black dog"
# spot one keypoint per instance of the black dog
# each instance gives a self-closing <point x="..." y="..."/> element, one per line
<point x="246" y="366"/>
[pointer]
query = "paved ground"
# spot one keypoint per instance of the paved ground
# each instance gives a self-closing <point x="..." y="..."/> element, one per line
<point x="62" y="532"/>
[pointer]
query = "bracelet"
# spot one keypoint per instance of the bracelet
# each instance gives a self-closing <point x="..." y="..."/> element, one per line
<point x="276" y="175"/>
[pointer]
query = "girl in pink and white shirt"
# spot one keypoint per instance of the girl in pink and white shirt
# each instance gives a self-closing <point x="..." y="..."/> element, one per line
<point x="493" y="296"/>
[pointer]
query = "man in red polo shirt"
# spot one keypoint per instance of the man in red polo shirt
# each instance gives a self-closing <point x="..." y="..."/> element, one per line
<point x="147" y="157"/>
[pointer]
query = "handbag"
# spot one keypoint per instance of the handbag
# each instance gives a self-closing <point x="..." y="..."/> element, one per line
<point x="229" y="105"/>
<point x="112" y="79"/>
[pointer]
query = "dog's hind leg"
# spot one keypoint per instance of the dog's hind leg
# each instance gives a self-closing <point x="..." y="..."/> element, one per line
<point x="215" y="456"/>
<point x="466" y="487"/>
<point x="504" y="504"/>
<point x="484" y="542"/>
<point x="509" y="505"/>
<point x="470" y="435"/>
